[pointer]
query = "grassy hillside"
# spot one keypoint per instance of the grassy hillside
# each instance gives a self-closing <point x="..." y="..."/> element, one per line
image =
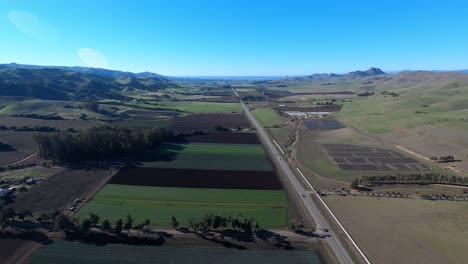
<point x="55" y="84"/>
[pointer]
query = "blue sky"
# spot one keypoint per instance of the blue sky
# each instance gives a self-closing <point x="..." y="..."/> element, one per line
<point x="238" y="37"/>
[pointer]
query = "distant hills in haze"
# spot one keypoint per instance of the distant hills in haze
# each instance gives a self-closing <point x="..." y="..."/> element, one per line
<point x="98" y="71"/>
<point x="354" y="74"/>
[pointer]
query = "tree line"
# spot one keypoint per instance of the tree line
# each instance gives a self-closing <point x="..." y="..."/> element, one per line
<point x="99" y="143"/>
<point x="35" y="128"/>
<point x="416" y="178"/>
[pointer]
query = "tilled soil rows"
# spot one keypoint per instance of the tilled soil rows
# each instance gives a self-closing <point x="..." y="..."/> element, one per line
<point x="189" y="178"/>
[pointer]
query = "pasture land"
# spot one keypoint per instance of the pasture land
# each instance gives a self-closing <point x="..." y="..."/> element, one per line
<point x="217" y="179"/>
<point x="75" y="252"/>
<point x="405" y="230"/>
<point x="283" y="136"/>
<point x="323" y="124"/>
<point x="159" y="204"/>
<point x="201" y="122"/>
<point x="448" y="138"/>
<point x="268" y="117"/>
<point x="33" y="172"/>
<point x="224" y="137"/>
<point x="65" y="109"/>
<point x="60" y="190"/>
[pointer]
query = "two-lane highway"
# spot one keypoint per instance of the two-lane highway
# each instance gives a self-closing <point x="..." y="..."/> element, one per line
<point x="312" y="209"/>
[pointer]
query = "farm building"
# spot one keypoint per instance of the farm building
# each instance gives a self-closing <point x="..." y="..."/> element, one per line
<point x="296" y="114"/>
<point x="4" y="192"/>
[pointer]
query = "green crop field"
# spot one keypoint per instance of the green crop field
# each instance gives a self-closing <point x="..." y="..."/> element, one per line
<point x="158" y="204"/>
<point x="193" y="107"/>
<point x="215" y="157"/>
<point x="73" y="252"/>
<point x="267" y="117"/>
<point x="222" y="149"/>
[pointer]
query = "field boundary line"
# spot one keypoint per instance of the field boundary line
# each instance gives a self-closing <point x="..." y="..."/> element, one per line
<point x="278" y="146"/>
<point x="334" y="217"/>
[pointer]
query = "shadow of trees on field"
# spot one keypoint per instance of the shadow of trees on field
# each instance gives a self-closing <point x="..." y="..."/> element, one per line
<point x="102" y="239"/>
<point x="31" y="235"/>
<point x="167" y="153"/>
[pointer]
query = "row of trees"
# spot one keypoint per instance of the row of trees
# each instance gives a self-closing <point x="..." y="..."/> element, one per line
<point x="447" y="158"/>
<point x="32" y="129"/>
<point x="100" y="143"/>
<point x="44" y="117"/>
<point x="426" y="178"/>
<point x="216" y="222"/>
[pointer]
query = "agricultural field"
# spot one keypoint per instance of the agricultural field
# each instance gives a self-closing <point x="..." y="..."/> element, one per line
<point x="268" y="117"/>
<point x="196" y="179"/>
<point x="14" y="251"/>
<point x="189" y="178"/>
<point x="11" y="121"/>
<point x="74" y="252"/>
<point x="191" y="106"/>
<point x="362" y="158"/>
<point x="212" y="156"/>
<point x="60" y="190"/>
<point x="224" y="137"/>
<point x="159" y="204"/>
<point x="201" y="122"/>
<point x="405" y="230"/>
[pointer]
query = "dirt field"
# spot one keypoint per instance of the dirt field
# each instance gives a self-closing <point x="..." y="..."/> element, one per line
<point x="219" y="179"/>
<point x="74" y="252"/>
<point x="59" y="190"/>
<point x="405" y="230"/>
<point x="199" y="122"/>
<point x="32" y="122"/>
<point x="228" y="138"/>
<point x="14" y="251"/>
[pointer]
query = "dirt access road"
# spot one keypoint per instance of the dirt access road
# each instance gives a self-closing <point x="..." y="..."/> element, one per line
<point x="314" y="212"/>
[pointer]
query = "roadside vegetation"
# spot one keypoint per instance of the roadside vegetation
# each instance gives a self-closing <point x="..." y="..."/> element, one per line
<point x="268" y="117"/>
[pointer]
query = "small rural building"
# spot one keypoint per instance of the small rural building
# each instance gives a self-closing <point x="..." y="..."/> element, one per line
<point x="4" y="192"/>
<point x="296" y="114"/>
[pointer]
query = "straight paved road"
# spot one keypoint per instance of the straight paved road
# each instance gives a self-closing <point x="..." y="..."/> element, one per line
<point x="309" y="204"/>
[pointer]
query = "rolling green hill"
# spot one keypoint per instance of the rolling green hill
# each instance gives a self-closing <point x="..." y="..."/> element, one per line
<point x="56" y="84"/>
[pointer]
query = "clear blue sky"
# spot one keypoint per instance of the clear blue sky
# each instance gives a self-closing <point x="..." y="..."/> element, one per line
<point x="236" y="37"/>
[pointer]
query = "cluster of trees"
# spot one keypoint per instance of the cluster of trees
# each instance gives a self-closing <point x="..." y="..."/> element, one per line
<point x="44" y="117"/>
<point x="35" y="128"/>
<point x="366" y="94"/>
<point x="216" y="222"/>
<point x="390" y="93"/>
<point x="447" y="158"/>
<point x="427" y="178"/>
<point x="9" y="214"/>
<point x="254" y="98"/>
<point x="100" y="143"/>
<point x="297" y="225"/>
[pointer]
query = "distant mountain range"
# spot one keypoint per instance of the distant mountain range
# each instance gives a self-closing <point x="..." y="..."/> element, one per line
<point x="354" y="74"/>
<point x="98" y="71"/>
<point x="60" y="84"/>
